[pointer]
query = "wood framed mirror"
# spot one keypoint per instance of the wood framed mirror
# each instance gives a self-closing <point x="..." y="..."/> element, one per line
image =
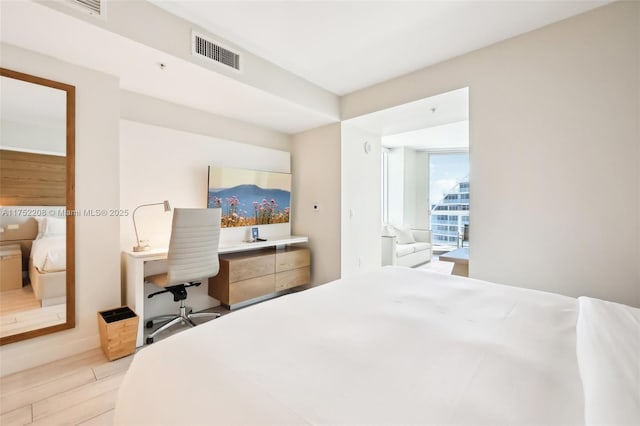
<point x="37" y="206"/>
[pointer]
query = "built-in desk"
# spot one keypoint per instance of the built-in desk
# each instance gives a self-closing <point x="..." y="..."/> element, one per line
<point x="135" y="269"/>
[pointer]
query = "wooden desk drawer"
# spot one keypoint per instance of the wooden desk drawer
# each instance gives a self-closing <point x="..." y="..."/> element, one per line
<point x="243" y="266"/>
<point x="251" y="288"/>
<point x="248" y="275"/>
<point x="292" y="278"/>
<point x="292" y="258"/>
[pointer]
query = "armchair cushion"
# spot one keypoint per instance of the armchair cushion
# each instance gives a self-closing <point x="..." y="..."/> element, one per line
<point x="404" y="249"/>
<point x="421" y="246"/>
<point x="405" y="236"/>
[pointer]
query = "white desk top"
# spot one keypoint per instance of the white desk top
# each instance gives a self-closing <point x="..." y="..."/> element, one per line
<point x="227" y="247"/>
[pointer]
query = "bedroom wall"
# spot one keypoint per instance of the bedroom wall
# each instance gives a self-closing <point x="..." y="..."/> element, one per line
<point x="158" y="163"/>
<point x="408" y="188"/>
<point x="396" y="171"/>
<point x="554" y="152"/>
<point x="361" y="192"/>
<point x="97" y="187"/>
<point x="315" y="164"/>
<point x="421" y="195"/>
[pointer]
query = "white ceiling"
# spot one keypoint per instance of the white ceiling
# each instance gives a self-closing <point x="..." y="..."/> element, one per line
<point x="449" y="107"/>
<point x="344" y="46"/>
<point x="39" y="28"/>
<point x="339" y="45"/>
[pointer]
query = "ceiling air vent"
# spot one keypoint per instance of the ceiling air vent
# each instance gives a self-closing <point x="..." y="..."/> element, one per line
<point x="94" y="7"/>
<point x="214" y="52"/>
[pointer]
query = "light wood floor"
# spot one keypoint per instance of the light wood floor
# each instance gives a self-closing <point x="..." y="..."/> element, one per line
<point x="21" y="299"/>
<point x="79" y="390"/>
<point x="20" y="311"/>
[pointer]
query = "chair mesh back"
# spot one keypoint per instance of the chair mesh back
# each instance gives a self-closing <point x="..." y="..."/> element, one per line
<point x="193" y="248"/>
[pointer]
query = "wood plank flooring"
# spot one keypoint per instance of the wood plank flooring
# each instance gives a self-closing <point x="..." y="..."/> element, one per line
<point x="18" y="300"/>
<point x="79" y="390"/>
<point x="20" y="311"/>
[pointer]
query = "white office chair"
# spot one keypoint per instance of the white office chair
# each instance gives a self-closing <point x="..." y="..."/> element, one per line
<point x="192" y="258"/>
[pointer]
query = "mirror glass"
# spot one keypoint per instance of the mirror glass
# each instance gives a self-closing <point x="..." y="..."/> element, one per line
<point x="37" y="201"/>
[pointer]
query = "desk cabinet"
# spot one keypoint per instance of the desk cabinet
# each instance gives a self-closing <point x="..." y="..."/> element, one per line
<point x="247" y="275"/>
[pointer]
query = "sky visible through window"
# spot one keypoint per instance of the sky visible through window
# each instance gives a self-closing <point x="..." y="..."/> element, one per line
<point x="445" y="171"/>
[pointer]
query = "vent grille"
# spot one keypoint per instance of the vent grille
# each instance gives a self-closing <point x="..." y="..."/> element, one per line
<point x="92" y="6"/>
<point x="215" y="52"/>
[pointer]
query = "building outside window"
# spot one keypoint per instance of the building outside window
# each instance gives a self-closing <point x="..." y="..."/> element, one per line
<point x="448" y="193"/>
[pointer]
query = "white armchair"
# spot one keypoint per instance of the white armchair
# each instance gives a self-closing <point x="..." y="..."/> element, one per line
<point x="406" y="247"/>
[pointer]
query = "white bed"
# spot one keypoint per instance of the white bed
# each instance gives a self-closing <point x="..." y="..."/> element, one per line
<point x="47" y="265"/>
<point x="396" y="346"/>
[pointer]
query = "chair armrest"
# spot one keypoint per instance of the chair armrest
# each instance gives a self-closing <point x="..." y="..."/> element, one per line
<point x="421" y="235"/>
<point x="388" y="245"/>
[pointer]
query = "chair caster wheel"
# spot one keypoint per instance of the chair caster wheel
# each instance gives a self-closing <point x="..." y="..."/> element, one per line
<point x="149" y="340"/>
<point x="149" y="324"/>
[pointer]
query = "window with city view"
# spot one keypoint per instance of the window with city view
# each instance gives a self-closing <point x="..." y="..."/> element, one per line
<point x="448" y="196"/>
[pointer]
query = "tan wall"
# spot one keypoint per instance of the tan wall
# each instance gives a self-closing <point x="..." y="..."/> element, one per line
<point x="315" y="164"/>
<point x="554" y="152"/>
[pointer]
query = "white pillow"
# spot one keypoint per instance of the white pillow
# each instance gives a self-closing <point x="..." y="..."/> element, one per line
<point x="56" y="227"/>
<point x="51" y="227"/>
<point x="388" y="231"/>
<point x="404" y="234"/>
<point x="42" y="225"/>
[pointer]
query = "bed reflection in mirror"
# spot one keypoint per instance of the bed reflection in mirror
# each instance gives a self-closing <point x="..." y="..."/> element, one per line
<point x="34" y="143"/>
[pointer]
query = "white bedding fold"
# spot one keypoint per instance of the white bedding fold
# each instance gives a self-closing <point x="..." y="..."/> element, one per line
<point x="49" y="254"/>
<point x="608" y="351"/>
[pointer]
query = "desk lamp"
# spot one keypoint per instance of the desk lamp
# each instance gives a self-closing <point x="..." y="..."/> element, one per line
<point x="145" y="247"/>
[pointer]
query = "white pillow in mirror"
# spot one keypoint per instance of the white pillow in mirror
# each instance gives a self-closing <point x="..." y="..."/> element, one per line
<point x="56" y="227"/>
<point x="42" y="224"/>
<point x="404" y="234"/>
<point x="51" y="227"/>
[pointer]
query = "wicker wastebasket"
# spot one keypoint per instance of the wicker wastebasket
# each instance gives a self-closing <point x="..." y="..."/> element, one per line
<point x="118" y="332"/>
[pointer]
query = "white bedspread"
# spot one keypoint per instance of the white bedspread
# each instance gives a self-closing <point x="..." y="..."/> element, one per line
<point x="49" y="254"/>
<point x="609" y="359"/>
<point x="396" y="346"/>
